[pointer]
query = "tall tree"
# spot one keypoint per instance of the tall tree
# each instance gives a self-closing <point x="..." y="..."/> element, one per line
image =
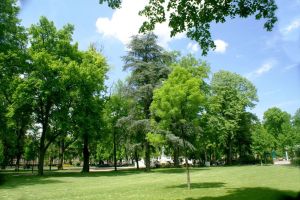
<point x="295" y="142"/>
<point x="13" y="40"/>
<point x="116" y="107"/>
<point x="231" y="94"/>
<point x="148" y="64"/>
<point x="278" y="123"/>
<point x="88" y="98"/>
<point x="274" y="121"/>
<point x="194" y="17"/>
<point x="262" y="142"/>
<point x="176" y="106"/>
<point x="43" y="87"/>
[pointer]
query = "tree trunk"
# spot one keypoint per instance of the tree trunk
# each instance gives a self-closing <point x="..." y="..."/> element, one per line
<point x="86" y="154"/>
<point x="61" y="155"/>
<point x="136" y="157"/>
<point x="32" y="166"/>
<point x="18" y="161"/>
<point x="176" y="156"/>
<point x="229" y="153"/>
<point x="260" y="160"/>
<point x="115" y="150"/>
<point x="187" y="173"/>
<point x="41" y="162"/>
<point x="42" y="153"/>
<point x="50" y="162"/>
<point x="147" y="156"/>
<point x="20" y="145"/>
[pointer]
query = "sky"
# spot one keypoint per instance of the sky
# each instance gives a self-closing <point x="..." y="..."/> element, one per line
<point x="270" y="60"/>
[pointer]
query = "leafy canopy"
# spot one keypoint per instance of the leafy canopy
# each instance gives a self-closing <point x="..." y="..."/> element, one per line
<point x="195" y="16"/>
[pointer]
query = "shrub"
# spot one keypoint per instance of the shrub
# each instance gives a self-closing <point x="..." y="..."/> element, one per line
<point x="295" y="161"/>
<point x="2" y="179"/>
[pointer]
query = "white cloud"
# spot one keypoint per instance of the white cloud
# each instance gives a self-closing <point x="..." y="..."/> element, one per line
<point x="193" y="47"/>
<point x="221" y="46"/>
<point x="263" y="69"/>
<point x="295" y="24"/>
<point x="126" y="22"/>
<point x="289" y="67"/>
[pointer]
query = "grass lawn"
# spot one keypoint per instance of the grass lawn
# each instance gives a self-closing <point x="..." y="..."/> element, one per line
<point x="214" y="183"/>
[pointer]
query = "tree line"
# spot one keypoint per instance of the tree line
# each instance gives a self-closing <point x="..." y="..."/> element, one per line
<point x="55" y="105"/>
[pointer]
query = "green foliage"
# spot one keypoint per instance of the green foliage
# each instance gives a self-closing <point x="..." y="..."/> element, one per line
<point x="195" y="17"/>
<point x="148" y="63"/>
<point x="13" y="55"/>
<point x="231" y="94"/>
<point x="262" y="141"/>
<point x="1" y="152"/>
<point x="275" y="121"/>
<point x="155" y="139"/>
<point x="31" y="149"/>
<point x="104" y="151"/>
<point x="179" y="98"/>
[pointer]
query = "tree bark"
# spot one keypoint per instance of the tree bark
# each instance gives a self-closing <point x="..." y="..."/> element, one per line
<point x="260" y="160"/>
<point x="147" y="156"/>
<point x="176" y="156"/>
<point x="115" y="150"/>
<point x="41" y="162"/>
<point x="136" y="157"/>
<point x="229" y="153"/>
<point x="61" y="154"/>
<point x="86" y="154"/>
<point x="187" y="173"/>
<point x="32" y="166"/>
<point x="42" y="153"/>
<point x="50" y="163"/>
<point x="18" y="162"/>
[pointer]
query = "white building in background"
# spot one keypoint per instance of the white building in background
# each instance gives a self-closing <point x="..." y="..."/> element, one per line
<point x="162" y="159"/>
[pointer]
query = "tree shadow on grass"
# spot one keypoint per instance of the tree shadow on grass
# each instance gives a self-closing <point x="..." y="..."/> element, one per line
<point x="177" y="170"/>
<point x="200" y="185"/>
<point x="257" y="193"/>
<point x="126" y="172"/>
<point x="13" y="181"/>
<point x="72" y="173"/>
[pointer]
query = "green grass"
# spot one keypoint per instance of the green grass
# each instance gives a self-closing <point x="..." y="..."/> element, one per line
<point x="215" y="183"/>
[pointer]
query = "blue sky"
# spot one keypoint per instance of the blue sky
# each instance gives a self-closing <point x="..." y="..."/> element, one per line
<point x="271" y="60"/>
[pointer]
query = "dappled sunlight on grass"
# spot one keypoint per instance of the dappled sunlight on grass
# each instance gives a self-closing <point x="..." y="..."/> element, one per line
<point x="257" y="193"/>
<point x="200" y="185"/>
<point x="214" y="183"/>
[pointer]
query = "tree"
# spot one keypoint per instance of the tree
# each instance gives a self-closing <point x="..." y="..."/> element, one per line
<point x="31" y="150"/>
<point x="88" y="98"/>
<point x="44" y="86"/>
<point x="230" y="95"/>
<point x="116" y="107"/>
<point x="13" y="56"/>
<point x="176" y="106"/>
<point x="247" y="125"/>
<point x="278" y="123"/>
<point x="149" y="67"/>
<point x="1" y="152"/>
<point x="274" y="121"/>
<point x="262" y="142"/>
<point x="295" y="141"/>
<point x="194" y="17"/>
